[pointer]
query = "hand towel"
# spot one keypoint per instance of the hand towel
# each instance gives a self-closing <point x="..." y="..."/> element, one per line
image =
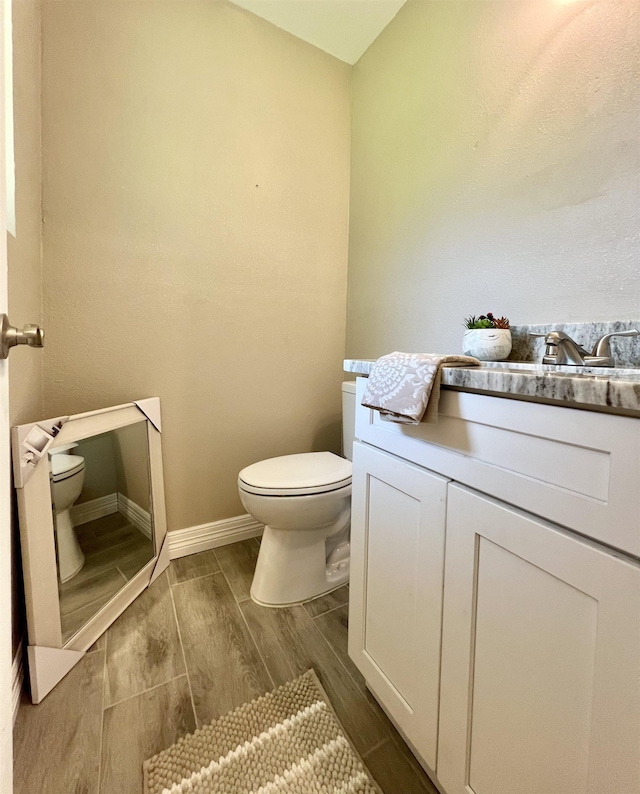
<point x="406" y="386"/>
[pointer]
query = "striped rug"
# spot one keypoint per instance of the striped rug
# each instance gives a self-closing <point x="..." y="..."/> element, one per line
<point x="286" y="742"/>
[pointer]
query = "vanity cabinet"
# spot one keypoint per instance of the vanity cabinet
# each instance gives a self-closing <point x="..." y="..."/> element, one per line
<point x="540" y="658"/>
<point x="397" y="565"/>
<point x="504" y="646"/>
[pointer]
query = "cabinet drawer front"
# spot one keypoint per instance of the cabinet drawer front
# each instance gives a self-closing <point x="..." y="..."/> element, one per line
<point x="397" y="562"/>
<point x="579" y="469"/>
<point x="540" y="658"/>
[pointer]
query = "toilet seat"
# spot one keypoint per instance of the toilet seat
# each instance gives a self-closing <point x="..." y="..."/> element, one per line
<point x="63" y="466"/>
<point x="296" y="475"/>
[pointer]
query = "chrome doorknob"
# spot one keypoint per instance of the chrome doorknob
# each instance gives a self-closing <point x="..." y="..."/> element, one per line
<point x="30" y="334"/>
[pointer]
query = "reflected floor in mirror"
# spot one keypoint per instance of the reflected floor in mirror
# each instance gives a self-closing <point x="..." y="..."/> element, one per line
<point x="115" y="550"/>
<point x="190" y="648"/>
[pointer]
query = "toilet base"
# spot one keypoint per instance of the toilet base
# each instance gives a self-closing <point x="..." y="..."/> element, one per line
<point x="70" y="555"/>
<point x="298" y="603"/>
<point x="292" y="568"/>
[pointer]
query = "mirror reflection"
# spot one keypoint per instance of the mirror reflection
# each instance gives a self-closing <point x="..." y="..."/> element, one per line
<point x="100" y="495"/>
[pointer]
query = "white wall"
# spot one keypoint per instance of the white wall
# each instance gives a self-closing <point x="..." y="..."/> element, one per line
<point x="23" y="248"/>
<point x="495" y="167"/>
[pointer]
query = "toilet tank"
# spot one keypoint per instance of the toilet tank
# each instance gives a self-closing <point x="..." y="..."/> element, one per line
<point x="348" y="417"/>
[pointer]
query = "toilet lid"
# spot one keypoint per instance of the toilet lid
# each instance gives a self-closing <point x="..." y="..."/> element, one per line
<point x="309" y="472"/>
<point x="63" y="466"/>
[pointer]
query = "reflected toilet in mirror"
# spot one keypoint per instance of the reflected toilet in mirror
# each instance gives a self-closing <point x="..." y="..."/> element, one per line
<point x="67" y="478"/>
<point x="100" y="496"/>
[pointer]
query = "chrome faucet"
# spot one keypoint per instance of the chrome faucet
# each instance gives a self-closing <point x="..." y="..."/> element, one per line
<point x="562" y="351"/>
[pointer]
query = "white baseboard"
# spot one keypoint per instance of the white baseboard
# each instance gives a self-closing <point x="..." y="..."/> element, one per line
<point x="139" y="517"/>
<point x="109" y="504"/>
<point x="96" y="508"/>
<point x="17" y="677"/>
<point x="209" y="536"/>
<point x="181" y="542"/>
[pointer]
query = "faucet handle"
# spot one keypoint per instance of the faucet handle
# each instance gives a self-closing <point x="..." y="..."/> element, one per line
<point x="549" y="347"/>
<point x="562" y="350"/>
<point x="558" y="338"/>
<point x="603" y="347"/>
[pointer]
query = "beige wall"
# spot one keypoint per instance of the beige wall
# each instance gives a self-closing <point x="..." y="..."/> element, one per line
<point x="495" y="167"/>
<point x="25" y="288"/>
<point x="131" y="460"/>
<point x="196" y="177"/>
<point x="116" y="462"/>
<point x="99" y="467"/>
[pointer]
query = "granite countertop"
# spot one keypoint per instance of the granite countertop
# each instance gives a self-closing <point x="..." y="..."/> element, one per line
<point x="590" y="388"/>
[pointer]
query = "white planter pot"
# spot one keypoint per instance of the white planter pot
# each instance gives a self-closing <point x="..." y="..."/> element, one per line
<point x="487" y="344"/>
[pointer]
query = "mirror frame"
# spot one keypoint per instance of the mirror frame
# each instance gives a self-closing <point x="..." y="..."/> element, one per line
<point x="49" y="658"/>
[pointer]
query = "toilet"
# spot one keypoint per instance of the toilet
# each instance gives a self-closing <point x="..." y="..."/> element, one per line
<point x="304" y="501"/>
<point x="66" y="473"/>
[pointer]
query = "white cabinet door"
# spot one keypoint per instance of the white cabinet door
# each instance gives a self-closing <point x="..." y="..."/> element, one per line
<point x="540" y="688"/>
<point x="397" y="561"/>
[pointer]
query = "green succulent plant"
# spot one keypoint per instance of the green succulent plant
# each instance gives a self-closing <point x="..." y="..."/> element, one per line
<point x="486" y="321"/>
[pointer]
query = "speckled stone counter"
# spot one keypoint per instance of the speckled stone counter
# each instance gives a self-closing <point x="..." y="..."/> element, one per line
<point x="590" y="388"/>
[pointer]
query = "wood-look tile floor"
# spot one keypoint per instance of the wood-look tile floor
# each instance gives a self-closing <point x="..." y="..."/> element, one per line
<point x="114" y="550"/>
<point x="190" y="648"/>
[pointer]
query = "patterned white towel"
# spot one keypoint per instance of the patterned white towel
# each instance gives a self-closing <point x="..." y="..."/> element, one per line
<point x="406" y="386"/>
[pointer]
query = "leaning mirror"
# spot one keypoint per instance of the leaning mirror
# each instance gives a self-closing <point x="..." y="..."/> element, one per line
<point x="92" y="527"/>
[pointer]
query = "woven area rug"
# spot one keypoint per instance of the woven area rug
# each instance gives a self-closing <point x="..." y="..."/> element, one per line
<point x="286" y="742"/>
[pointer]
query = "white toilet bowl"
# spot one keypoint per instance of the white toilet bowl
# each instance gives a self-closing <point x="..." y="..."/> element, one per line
<point x="66" y="473"/>
<point x="305" y="503"/>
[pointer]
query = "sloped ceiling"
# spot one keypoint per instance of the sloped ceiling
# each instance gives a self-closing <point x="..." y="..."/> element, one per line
<point x="344" y="28"/>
